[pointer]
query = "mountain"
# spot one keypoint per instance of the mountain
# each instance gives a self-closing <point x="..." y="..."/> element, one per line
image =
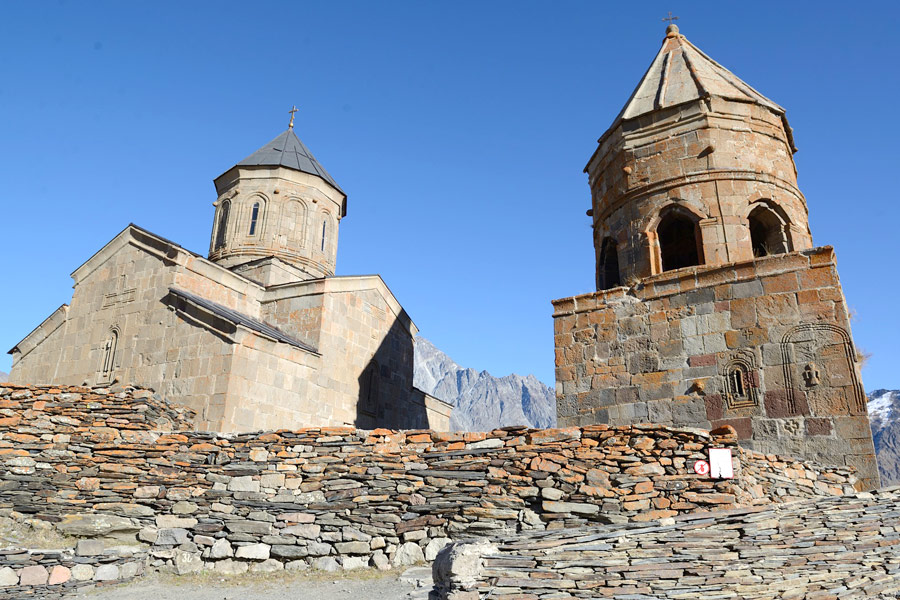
<point x="481" y="401"/>
<point x="4" y="376"/>
<point x="884" y="415"/>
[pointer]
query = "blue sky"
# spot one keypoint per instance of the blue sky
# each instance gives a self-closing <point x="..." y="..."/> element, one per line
<point x="458" y="129"/>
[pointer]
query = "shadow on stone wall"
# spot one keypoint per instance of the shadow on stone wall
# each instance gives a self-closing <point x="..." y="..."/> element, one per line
<point x="387" y="398"/>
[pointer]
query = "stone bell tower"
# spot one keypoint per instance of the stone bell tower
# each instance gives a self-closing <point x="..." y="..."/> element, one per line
<point x="697" y="169"/>
<point x="277" y="214"/>
<point x="713" y="307"/>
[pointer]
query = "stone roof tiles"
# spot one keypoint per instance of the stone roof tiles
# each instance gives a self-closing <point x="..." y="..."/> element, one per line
<point x="681" y="73"/>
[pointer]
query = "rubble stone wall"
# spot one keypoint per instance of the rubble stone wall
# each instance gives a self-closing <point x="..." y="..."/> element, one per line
<point x="816" y="548"/>
<point x="763" y="346"/>
<point x="95" y="464"/>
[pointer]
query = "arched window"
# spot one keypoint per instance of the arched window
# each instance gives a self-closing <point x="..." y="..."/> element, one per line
<point x="768" y="232"/>
<point x="741" y="380"/>
<point x="324" y="232"/>
<point x="680" y="244"/>
<point x="254" y="217"/>
<point x="109" y="355"/>
<point x="608" y="267"/>
<point x="223" y="225"/>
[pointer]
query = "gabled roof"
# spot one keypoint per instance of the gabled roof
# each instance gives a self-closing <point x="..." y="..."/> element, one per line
<point x="241" y="319"/>
<point x="288" y="151"/>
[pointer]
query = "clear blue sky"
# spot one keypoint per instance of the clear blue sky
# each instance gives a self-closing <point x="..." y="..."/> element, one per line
<point x="458" y="129"/>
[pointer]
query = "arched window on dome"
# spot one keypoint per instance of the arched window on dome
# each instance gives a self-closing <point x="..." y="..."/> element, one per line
<point x="608" y="267"/>
<point x="768" y="231"/>
<point x="222" y="226"/>
<point x="680" y="241"/>
<point x="254" y="218"/>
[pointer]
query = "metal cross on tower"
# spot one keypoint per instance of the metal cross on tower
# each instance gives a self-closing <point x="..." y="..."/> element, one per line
<point x="670" y="18"/>
<point x="294" y="110"/>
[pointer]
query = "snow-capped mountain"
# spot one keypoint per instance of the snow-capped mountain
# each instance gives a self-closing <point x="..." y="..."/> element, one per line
<point x="481" y="401"/>
<point x="884" y="415"/>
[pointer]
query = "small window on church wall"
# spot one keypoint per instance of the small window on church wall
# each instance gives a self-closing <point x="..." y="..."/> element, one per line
<point x="767" y="232"/>
<point x="324" y="233"/>
<point x="254" y="215"/>
<point x="222" y="226"/>
<point x="609" y="265"/>
<point x="679" y="241"/>
<point x="736" y="382"/>
<point x="109" y="354"/>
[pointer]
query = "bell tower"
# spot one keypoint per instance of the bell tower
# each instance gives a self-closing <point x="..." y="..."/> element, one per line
<point x="697" y="169"/>
<point x="712" y="308"/>
<point x="277" y="214"/>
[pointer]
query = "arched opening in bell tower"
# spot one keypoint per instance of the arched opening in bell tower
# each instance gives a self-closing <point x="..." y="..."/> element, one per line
<point x="680" y="242"/>
<point x="768" y="231"/>
<point x="608" y="268"/>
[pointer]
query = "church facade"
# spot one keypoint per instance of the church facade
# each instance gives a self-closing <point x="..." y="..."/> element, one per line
<point x="713" y="305"/>
<point x="259" y="335"/>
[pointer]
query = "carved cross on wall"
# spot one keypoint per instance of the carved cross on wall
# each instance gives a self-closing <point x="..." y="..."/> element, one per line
<point x="811" y="375"/>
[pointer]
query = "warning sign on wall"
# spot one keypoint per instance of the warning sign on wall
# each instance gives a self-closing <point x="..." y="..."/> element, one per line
<point x="720" y="463"/>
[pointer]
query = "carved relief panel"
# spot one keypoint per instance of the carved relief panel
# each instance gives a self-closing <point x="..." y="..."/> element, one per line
<point x="820" y="363"/>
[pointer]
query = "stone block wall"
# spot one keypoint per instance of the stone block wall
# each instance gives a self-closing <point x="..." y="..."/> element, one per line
<point x="763" y="346"/>
<point x="93" y="463"/>
<point x="57" y="573"/>
<point x="816" y="548"/>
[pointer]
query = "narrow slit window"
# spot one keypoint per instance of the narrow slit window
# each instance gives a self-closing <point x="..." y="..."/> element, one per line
<point x="324" y="232"/>
<point x="254" y="215"/>
<point x="223" y="226"/>
<point x="737" y="383"/>
<point x="109" y="354"/>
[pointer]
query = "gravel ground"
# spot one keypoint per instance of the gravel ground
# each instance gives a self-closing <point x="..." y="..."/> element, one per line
<point x="369" y="585"/>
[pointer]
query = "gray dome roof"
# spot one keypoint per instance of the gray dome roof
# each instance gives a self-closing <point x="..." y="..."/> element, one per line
<point x="288" y="151"/>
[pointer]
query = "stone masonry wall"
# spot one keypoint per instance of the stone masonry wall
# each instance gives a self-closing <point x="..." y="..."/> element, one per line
<point x="94" y="463"/>
<point x="814" y="549"/>
<point x="667" y="351"/>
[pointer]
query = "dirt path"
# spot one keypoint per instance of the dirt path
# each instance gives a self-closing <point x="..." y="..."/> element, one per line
<point x="368" y="585"/>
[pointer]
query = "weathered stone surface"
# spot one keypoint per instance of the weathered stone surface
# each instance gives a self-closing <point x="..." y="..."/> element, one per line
<point x="8" y="577"/>
<point x="34" y="575"/>
<point x="93" y="525"/>
<point x="187" y="562"/>
<point x="408" y="554"/>
<point x="82" y="572"/>
<point x="106" y="573"/>
<point x="253" y="551"/>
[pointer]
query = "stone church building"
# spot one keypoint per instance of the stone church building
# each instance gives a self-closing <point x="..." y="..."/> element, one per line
<point x="259" y="335"/>
<point x="713" y="305"/>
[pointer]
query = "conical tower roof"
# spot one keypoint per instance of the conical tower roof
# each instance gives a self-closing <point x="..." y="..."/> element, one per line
<point x="683" y="73"/>
<point x="288" y="151"/>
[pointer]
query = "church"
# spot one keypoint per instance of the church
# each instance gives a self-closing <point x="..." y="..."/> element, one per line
<point x="713" y="306"/>
<point x="261" y="334"/>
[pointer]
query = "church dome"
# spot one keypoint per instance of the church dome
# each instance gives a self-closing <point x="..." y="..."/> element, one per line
<point x="287" y="150"/>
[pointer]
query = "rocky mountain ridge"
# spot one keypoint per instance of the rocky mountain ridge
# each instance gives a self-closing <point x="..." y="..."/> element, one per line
<point x="481" y="401"/>
<point x="884" y="416"/>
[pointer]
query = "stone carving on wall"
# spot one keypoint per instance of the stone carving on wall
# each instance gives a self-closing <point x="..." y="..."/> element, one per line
<point x="741" y="380"/>
<point x="820" y="361"/>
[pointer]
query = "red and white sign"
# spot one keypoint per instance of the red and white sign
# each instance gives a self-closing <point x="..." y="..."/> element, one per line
<point x="720" y="462"/>
<point x="701" y="467"/>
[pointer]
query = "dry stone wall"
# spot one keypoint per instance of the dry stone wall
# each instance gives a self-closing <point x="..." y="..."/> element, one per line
<point x="95" y="463"/>
<point x="821" y="548"/>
